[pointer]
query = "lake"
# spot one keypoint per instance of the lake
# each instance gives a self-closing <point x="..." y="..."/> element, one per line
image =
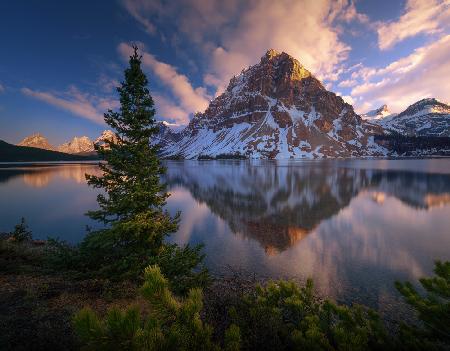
<point x="354" y="226"/>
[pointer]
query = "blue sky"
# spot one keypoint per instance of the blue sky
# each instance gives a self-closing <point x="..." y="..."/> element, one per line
<point x="61" y="59"/>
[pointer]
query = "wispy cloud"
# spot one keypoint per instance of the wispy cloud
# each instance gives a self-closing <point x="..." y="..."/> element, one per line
<point x="170" y="112"/>
<point x="73" y="100"/>
<point x="232" y="35"/>
<point x="419" y="17"/>
<point x="189" y="99"/>
<point x="347" y="83"/>
<point x="136" y="8"/>
<point x="107" y="84"/>
<point x="413" y="77"/>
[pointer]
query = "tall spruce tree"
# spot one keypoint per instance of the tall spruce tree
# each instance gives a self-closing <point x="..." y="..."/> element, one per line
<point x="132" y="204"/>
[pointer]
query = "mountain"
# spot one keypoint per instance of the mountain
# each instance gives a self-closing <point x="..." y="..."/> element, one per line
<point x="276" y="109"/>
<point x="14" y="153"/>
<point x="165" y="136"/>
<point x="376" y="114"/>
<point x="38" y="141"/>
<point x="77" y="145"/>
<point x="107" y="135"/>
<point x="425" y="118"/>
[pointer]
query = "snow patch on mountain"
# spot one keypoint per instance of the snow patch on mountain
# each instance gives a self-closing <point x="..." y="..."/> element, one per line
<point x="275" y="109"/>
<point x="426" y="117"/>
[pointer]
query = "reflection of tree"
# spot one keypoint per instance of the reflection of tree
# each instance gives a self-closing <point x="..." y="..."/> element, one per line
<point x="41" y="176"/>
<point x="279" y="206"/>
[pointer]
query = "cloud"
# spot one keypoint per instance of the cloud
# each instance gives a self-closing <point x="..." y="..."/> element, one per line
<point x="170" y="112"/>
<point x="420" y="17"/>
<point x="80" y="104"/>
<point x="136" y="8"/>
<point x="347" y="83"/>
<point x="403" y="82"/>
<point x="107" y="84"/>
<point x="232" y="35"/>
<point x="190" y="99"/>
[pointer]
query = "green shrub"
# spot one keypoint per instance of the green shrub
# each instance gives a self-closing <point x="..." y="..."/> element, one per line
<point x="21" y="232"/>
<point x="171" y="324"/>
<point x="278" y="316"/>
<point x="284" y="316"/>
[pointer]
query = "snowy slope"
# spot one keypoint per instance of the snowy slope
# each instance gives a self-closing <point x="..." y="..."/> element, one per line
<point x="276" y="109"/>
<point x="427" y="117"/>
<point x="379" y="113"/>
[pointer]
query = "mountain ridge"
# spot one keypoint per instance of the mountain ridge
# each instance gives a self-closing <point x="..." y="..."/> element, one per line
<point x="427" y="117"/>
<point x="15" y="153"/>
<point x="82" y="145"/>
<point x="276" y="109"/>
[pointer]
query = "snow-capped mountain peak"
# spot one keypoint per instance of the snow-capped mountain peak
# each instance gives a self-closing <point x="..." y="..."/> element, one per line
<point x="426" y="117"/>
<point x="275" y="109"/>
<point x="378" y="113"/>
<point x="36" y="140"/>
<point x="77" y="145"/>
<point x="107" y="135"/>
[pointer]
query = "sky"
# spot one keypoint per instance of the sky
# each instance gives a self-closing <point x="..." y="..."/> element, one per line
<point x="60" y="61"/>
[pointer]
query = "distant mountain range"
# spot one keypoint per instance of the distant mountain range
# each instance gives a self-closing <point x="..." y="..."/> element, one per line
<point x="277" y="109"/>
<point x="425" y="118"/>
<point x="14" y="153"/>
<point x="377" y="114"/>
<point x="78" y="145"/>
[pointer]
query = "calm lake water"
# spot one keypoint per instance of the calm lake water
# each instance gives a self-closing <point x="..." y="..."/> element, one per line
<point x="355" y="226"/>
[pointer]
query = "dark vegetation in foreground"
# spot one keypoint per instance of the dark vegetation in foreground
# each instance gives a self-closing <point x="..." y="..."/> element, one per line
<point x="14" y="153"/>
<point x="44" y="308"/>
<point x="125" y="288"/>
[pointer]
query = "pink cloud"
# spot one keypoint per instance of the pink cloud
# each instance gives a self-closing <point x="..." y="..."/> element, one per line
<point x="233" y="34"/>
<point x="135" y="8"/>
<point x="420" y="16"/>
<point x="170" y="112"/>
<point x="347" y="83"/>
<point x="78" y="103"/>
<point x="413" y="77"/>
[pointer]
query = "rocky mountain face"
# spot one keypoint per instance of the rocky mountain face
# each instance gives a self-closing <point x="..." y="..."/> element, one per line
<point x="376" y="114"/>
<point x="37" y="140"/>
<point x="165" y="136"/>
<point x="76" y="146"/>
<point x="427" y="117"/>
<point x="276" y="109"/>
<point x="107" y="135"/>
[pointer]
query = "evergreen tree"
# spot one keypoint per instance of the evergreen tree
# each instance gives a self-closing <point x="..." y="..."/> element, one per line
<point x="132" y="204"/>
<point x="433" y="310"/>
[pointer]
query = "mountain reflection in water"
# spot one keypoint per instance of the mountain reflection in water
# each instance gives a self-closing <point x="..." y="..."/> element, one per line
<point x="355" y="230"/>
<point x="355" y="226"/>
<point x="279" y="206"/>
